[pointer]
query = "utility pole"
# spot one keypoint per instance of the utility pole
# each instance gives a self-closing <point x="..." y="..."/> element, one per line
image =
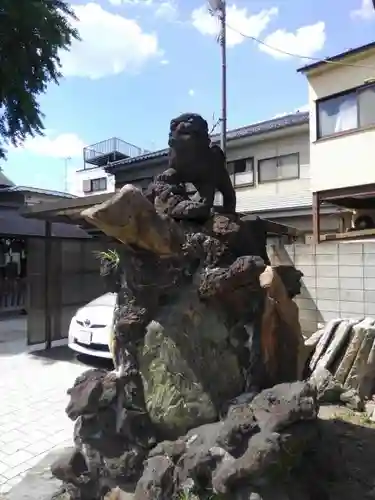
<point x="218" y="7"/>
<point x="66" y="163"/>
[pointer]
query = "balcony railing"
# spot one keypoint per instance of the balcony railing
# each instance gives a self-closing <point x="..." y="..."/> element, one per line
<point x="109" y="150"/>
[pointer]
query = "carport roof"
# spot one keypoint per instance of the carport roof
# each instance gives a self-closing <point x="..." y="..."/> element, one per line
<point x="12" y="223"/>
<point x="69" y="211"/>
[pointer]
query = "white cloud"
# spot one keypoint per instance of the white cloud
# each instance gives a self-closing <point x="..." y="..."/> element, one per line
<point x="111" y="44"/>
<point x="191" y="92"/>
<point x="133" y="2"/>
<point x="164" y="62"/>
<point x="366" y="11"/>
<point x="237" y="18"/>
<point x="165" y="9"/>
<point x="60" y="146"/>
<point x="305" y="41"/>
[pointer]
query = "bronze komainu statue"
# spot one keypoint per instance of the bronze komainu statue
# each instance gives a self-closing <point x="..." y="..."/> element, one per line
<point x="194" y="160"/>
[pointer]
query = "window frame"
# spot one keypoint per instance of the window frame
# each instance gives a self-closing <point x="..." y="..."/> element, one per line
<point x="279" y="179"/>
<point x="98" y="179"/>
<point x="356" y="91"/>
<point x="234" y="174"/>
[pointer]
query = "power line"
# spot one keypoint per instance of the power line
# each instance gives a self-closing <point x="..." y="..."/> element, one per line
<point x="309" y="58"/>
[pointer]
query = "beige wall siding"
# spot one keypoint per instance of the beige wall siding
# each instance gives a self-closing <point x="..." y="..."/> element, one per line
<point x="279" y="194"/>
<point x="349" y="159"/>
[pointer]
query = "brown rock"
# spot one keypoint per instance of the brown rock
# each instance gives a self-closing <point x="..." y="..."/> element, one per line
<point x="282" y="340"/>
<point x="130" y="218"/>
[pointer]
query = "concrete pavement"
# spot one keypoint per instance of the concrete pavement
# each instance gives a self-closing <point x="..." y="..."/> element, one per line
<point x="32" y="402"/>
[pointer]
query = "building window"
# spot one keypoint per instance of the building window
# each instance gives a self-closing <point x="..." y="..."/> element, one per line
<point x="241" y="171"/>
<point x="99" y="184"/>
<point x="279" y="168"/>
<point x="349" y="111"/>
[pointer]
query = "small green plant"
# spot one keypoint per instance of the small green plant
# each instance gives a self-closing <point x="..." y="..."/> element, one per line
<point x="109" y="259"/>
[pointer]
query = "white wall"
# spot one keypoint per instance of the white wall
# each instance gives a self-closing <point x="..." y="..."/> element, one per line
<point x="283" y="193"/>
<point x="76" y="178"/>
<point x="346" y="160"/>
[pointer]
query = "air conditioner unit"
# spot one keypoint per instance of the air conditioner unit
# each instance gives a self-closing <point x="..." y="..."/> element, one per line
<point x="86" y="186"/>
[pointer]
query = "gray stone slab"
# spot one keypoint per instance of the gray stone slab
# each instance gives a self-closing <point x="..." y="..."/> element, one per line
<point x="324" y="341"/>
<point x="339" y="338"/>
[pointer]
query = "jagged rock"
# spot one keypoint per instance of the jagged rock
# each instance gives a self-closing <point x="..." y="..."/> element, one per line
<point x="200" y="457"/>
<point x="70" y="492"/>
<point x="86" y="394"/>
<point x="282" y="340"/>
<point x="238" y="426"/>
<point x="332" y="392"/>
<point x="70" y="466"/>
<point x="172" y="449"/>
<point x="156" y="482"/>
<point x="242" y="400"/>
<point x="329" y="389"/>
<point x="269" y="455"/>
<point x="284" y="404"/>
<point x="185" y="349"/>
<point x="129" y="217"/>
<point x="352" y="400"/>
<point x="242" y="448"/>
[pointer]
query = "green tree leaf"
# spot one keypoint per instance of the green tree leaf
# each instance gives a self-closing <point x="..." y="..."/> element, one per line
<point x="32" y="32"/>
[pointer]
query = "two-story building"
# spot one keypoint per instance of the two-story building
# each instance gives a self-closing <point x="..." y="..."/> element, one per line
<point x="15" y="234"/>
<point x="342" y="138"/>
<point x="269" y="166"/>
<point x="92" y="178"/>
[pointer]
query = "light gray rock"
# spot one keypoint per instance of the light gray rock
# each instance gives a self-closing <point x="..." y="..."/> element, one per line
<point x="338" y="340"/>
<point x="329" y="390"/>
<point x="323" y="342"/>
<point x="359" y="368"/>
<point x="347" y="361"/>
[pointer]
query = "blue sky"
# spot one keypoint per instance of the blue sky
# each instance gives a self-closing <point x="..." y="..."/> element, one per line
<point x="141" y="62"/>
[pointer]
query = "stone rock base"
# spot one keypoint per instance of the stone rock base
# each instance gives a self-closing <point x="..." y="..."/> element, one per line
<point x="250" y="452"/>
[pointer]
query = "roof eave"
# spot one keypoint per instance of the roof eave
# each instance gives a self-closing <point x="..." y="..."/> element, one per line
<point x="356" y="52"/>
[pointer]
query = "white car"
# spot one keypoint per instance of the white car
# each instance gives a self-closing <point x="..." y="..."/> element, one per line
<point x="90" y="328"/>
